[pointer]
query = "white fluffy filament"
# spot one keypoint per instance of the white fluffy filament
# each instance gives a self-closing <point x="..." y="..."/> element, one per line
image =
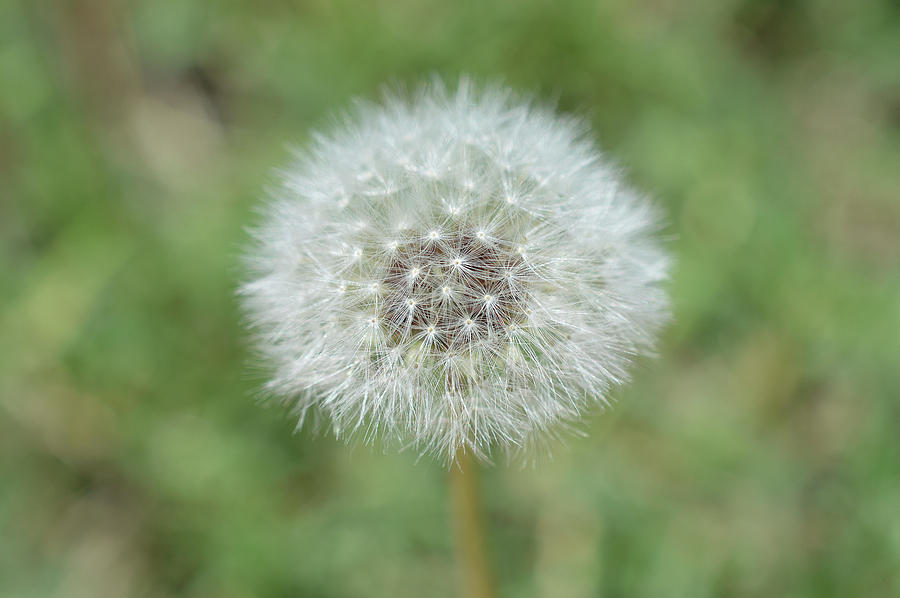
<point x="457" y="270"/>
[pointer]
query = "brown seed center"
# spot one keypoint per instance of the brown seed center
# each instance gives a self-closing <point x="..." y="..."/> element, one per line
<point x="456" y="288"/>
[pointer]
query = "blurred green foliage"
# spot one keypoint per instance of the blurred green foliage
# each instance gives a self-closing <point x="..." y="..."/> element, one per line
<point x="759" y="456"/>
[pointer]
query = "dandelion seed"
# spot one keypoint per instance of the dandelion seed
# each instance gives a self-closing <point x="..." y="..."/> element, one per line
<point x="459" y="322"/>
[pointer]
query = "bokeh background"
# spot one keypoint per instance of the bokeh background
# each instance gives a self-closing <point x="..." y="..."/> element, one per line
<point x="758" y="456"/>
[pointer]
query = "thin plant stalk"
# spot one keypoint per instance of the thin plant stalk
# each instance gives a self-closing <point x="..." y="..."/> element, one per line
<point x="475" y="571"/>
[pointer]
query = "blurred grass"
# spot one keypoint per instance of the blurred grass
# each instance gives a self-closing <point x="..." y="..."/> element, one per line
<point x="758" y="456"/>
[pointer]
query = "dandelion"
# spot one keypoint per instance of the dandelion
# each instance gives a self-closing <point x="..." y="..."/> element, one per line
<point x="461" y="270"/>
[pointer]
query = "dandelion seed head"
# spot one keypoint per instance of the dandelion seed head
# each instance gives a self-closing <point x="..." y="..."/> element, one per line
<point x="496" y="274"/>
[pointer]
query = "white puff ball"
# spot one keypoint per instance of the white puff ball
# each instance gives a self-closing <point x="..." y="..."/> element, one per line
<point x="456" y="271"/>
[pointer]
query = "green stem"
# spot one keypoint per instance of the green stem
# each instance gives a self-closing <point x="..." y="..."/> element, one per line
<point x="475" y="571"/>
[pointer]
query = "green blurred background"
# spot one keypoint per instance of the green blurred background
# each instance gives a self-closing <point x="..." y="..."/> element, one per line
<point x="758" y="456"/>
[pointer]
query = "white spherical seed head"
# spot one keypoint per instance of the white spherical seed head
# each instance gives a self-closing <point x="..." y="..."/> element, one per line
<point x="461" y="270"/>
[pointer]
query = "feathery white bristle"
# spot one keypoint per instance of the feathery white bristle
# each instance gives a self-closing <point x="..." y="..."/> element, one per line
<point x="460" y="270"/>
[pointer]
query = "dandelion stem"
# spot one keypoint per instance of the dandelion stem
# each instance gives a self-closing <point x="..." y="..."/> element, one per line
<point x="475" y="574"/>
